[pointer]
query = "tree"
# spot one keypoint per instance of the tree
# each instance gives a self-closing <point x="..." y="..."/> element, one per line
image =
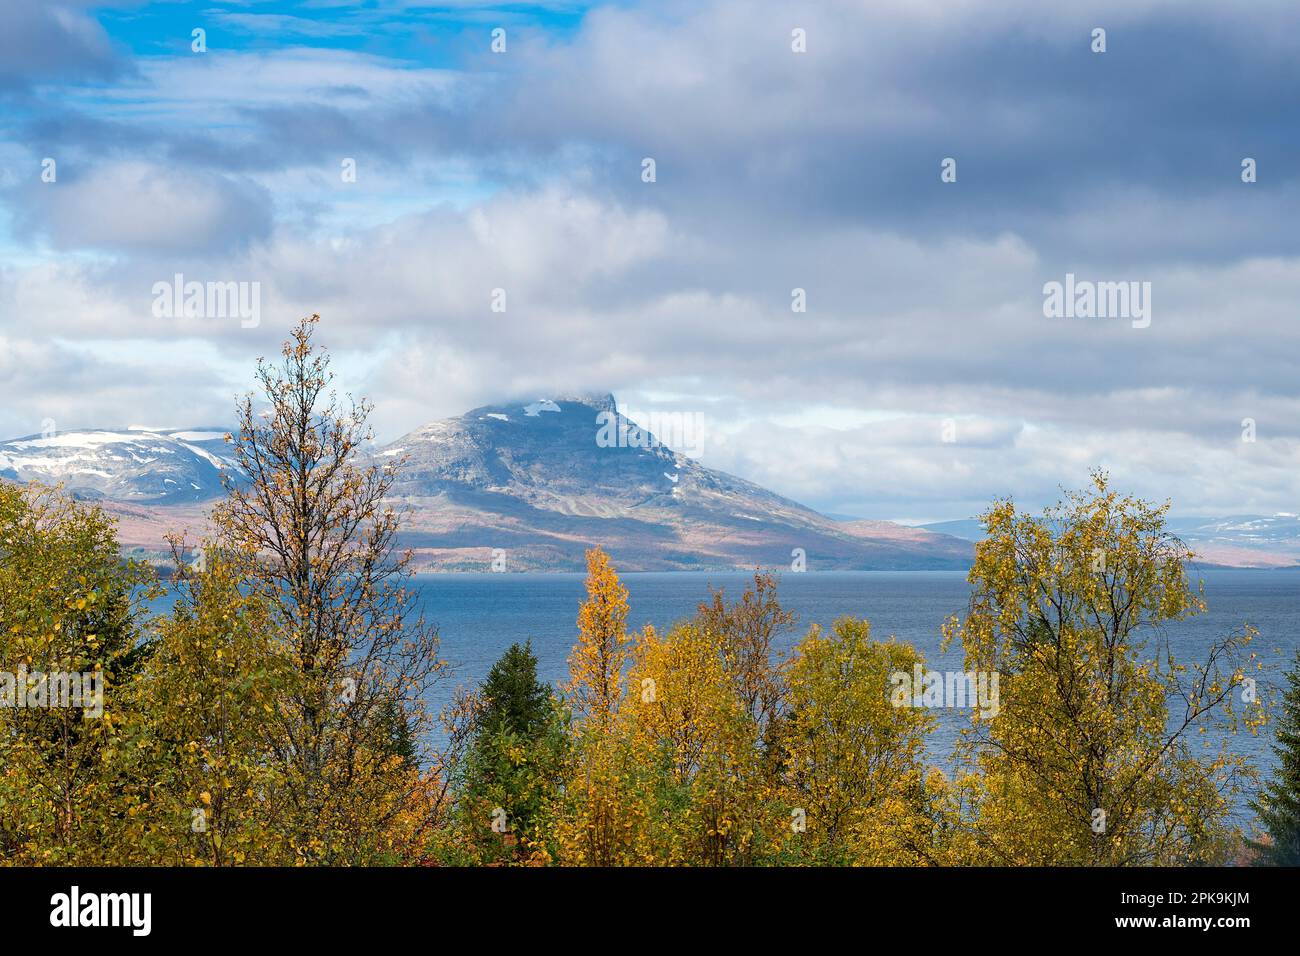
<point x="594" y="828"/>
<point x="319" y="541"/>
<point x="702" y="719"/>
<point x="596" y="664"/>
<point x="514" y="768"/>
<point x="854" y="759"/>
<point x="71" y="644"/>
<point x="748" y="630"/>
<point x="698" y="788"/>
<point x="516" y="701"/>
<point x="1084" y="761"/>
<point x="1278" y="806"/>
<point x="207" y="789"/>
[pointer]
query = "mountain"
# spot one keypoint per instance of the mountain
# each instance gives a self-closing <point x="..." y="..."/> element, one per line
<point x="968" y="529"/>
<point x="542" y="481"/>
<point x="134" y="465"/>
<point x="1248" y="541"/>
<point x="536" y="483"/>
<point x="1239" y="541"/>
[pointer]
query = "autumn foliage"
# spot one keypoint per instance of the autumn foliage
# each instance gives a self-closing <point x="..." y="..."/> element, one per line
<point x="273" y="711"/>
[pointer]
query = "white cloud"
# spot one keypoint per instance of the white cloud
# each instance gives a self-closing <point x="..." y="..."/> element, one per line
<point x="140" y="206"/>
<point x="775" y="171"/>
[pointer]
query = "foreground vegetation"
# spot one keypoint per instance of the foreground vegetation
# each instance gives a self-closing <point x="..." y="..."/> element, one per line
<point x="275" y="714"/>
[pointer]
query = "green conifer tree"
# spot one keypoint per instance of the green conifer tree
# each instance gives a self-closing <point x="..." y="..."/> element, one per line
<point x="514" y="764"/>
<point x="1279" y="804"/>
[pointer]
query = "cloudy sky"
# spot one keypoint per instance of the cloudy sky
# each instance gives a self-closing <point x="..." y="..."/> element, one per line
<point x="923" y="378"/>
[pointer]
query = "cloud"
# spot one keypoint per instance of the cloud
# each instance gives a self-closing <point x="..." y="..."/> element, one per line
<point x="775" y="171"/>
<point x="86" y="386"/>
<point x="139" y="206"/>
<point x="44" y="42"/>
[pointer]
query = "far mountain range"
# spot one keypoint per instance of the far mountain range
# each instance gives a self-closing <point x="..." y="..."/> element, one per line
<point x="528" y="486"/>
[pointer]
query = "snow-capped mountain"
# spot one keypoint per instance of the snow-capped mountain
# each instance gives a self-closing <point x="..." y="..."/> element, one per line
<point x="133" y="465"/>
<point x="535" y="483"/>
<point x="1243" y="540"/>
<point x="540" y="481"/>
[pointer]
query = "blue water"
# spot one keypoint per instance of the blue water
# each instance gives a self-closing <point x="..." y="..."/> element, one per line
<point x="480" y="615"/>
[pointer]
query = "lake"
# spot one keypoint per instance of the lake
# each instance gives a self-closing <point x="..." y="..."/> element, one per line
<point x="480" y="615"/>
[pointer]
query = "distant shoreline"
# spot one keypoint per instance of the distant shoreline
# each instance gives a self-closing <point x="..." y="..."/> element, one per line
<point x="165" y="569"/>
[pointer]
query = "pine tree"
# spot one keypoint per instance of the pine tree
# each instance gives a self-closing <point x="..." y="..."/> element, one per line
<point x="516" y="701"/>
<point x="1279" y="804"/>
<point x="514" y="767"/>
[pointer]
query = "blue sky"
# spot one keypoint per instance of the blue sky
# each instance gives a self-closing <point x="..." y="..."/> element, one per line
<point x="924" y="377"/>
<point x="430" y="34"/>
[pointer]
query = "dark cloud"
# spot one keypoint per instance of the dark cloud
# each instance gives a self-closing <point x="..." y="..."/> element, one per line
<point x="53" y="42"/>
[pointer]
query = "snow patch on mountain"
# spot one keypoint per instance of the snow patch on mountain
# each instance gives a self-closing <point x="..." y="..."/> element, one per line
<point x="129" y="465"/>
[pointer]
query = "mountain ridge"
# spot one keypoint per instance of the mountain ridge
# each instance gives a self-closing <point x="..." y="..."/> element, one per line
<point x="531" y="484"/>
<point x="135" y="465"/>
<point x="1234" y="541"/>
<point x="534" y="484"/>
